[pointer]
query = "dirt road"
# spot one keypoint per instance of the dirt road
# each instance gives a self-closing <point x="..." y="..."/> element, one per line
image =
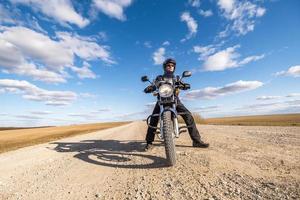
<point x="243" y="162"/>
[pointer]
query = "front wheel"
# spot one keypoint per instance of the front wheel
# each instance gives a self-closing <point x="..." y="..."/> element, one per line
<point x="168" y="138"/>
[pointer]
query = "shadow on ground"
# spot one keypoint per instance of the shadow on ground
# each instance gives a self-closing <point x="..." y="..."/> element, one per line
<point x="112" y="153"/>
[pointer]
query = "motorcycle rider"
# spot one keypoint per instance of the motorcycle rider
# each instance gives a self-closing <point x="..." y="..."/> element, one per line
<point x="169" y="66"/>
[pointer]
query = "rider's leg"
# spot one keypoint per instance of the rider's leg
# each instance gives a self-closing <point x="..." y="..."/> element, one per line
<point x="153" y="122"/>
<point x="189" y="120"/>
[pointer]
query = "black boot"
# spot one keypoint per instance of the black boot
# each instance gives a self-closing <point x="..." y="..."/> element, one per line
<point x="148" y="147"/>
<point x="200" y="144"/>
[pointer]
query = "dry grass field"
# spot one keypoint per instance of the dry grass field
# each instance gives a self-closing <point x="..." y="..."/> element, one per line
<point x="198" y="119"/>
<point x="14" y="139"/>
<point x="254" y="120"/>
<point x="258" y="120"/>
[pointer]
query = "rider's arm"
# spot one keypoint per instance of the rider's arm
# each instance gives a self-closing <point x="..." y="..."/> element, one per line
<point x="186" y="86"/>
<point x="150" y="89"/>
<point x="183" y="86"/>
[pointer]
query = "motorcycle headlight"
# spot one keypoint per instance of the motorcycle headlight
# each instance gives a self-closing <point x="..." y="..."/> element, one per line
<point x="165" y="90"/>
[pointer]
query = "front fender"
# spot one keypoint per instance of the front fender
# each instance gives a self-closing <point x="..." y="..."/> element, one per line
<point x="168" y="109"/>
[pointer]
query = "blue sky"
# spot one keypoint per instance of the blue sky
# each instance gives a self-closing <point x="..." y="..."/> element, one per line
<point x="69" y="62"/>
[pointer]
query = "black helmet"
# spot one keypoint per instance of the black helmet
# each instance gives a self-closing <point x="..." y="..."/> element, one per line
<point x="169" y="60"/>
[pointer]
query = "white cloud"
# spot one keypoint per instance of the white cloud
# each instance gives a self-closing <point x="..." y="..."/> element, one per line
<point x="38" y="73"/>
<point x="263" y="98"/>
<point x="6" y="49"/>
<point x="83" y="115"/>
<point x="84" y="72"/>
<point x="242" y="14"/>
<point x="214" y="92"/>
<point x="291" y="106"/>
<point x="204" y="51"/>
<point x="87" y="95"/>
<point x="57" y="103"/>
<point x="102" y="36"/>
<point x="273" y="97"/>
<point x="84" y="47"/>
<point x="113" y="8"/>
<point x="11" y="15"/>
<point x="207" y="109"/>
<point x="43" y="58"/>
<point x="92" y="114"/>
<point x="147" y="44"/>
<point x="251" y="59"/>
<point x="293" y="95"/>
<point x="103" y="110"/>
<point x="260" y="12"/>
<point x="132" y="115"/>
<point x="260" y="107"/>
<point x="293" y="71"/>
<point x="191" y="24"/>
<point x="28" y="117"/>
<point x="37" y="46"/>
<point x="159" y="56"/>
<point x="60" y="10"/>
<point x="225" y="32"/>
<point x="17" y="64"/>
<point x="226" y="5"/>
<point x="41" y="112"/>
<point x="34" y="93"/>
<point x="194" y="3"/>
<point x="223" y="59"/>
<point x="206" y="13"/>
<point x="5" y="16"/>
<point x="166" y="43"/>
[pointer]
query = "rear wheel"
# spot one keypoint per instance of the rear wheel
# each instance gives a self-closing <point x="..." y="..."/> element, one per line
<point x="168" y="138"/>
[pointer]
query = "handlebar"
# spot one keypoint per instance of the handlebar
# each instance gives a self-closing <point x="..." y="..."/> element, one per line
<point x="178" y="84"/>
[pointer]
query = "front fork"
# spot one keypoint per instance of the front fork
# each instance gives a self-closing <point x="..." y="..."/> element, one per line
<point x="176" y="127"/>
<point x="175" y="122"/>
<point x="160" y="135"/>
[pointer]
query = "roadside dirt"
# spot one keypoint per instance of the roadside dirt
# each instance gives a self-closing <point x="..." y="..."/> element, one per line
<point x="243" y="162"/>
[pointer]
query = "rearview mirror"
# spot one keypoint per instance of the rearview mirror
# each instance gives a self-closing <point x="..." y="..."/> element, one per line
<point x="145" y="78"/>
<point x="186" y="74"/>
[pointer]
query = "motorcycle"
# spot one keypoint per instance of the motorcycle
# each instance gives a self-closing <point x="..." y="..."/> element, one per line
<point x="166" y="90"/>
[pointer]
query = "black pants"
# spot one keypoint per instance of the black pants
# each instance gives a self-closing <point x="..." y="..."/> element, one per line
<point x="188" y="119"/>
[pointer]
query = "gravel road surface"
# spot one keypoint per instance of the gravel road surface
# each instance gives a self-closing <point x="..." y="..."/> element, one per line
<point x="243" y="162"/>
